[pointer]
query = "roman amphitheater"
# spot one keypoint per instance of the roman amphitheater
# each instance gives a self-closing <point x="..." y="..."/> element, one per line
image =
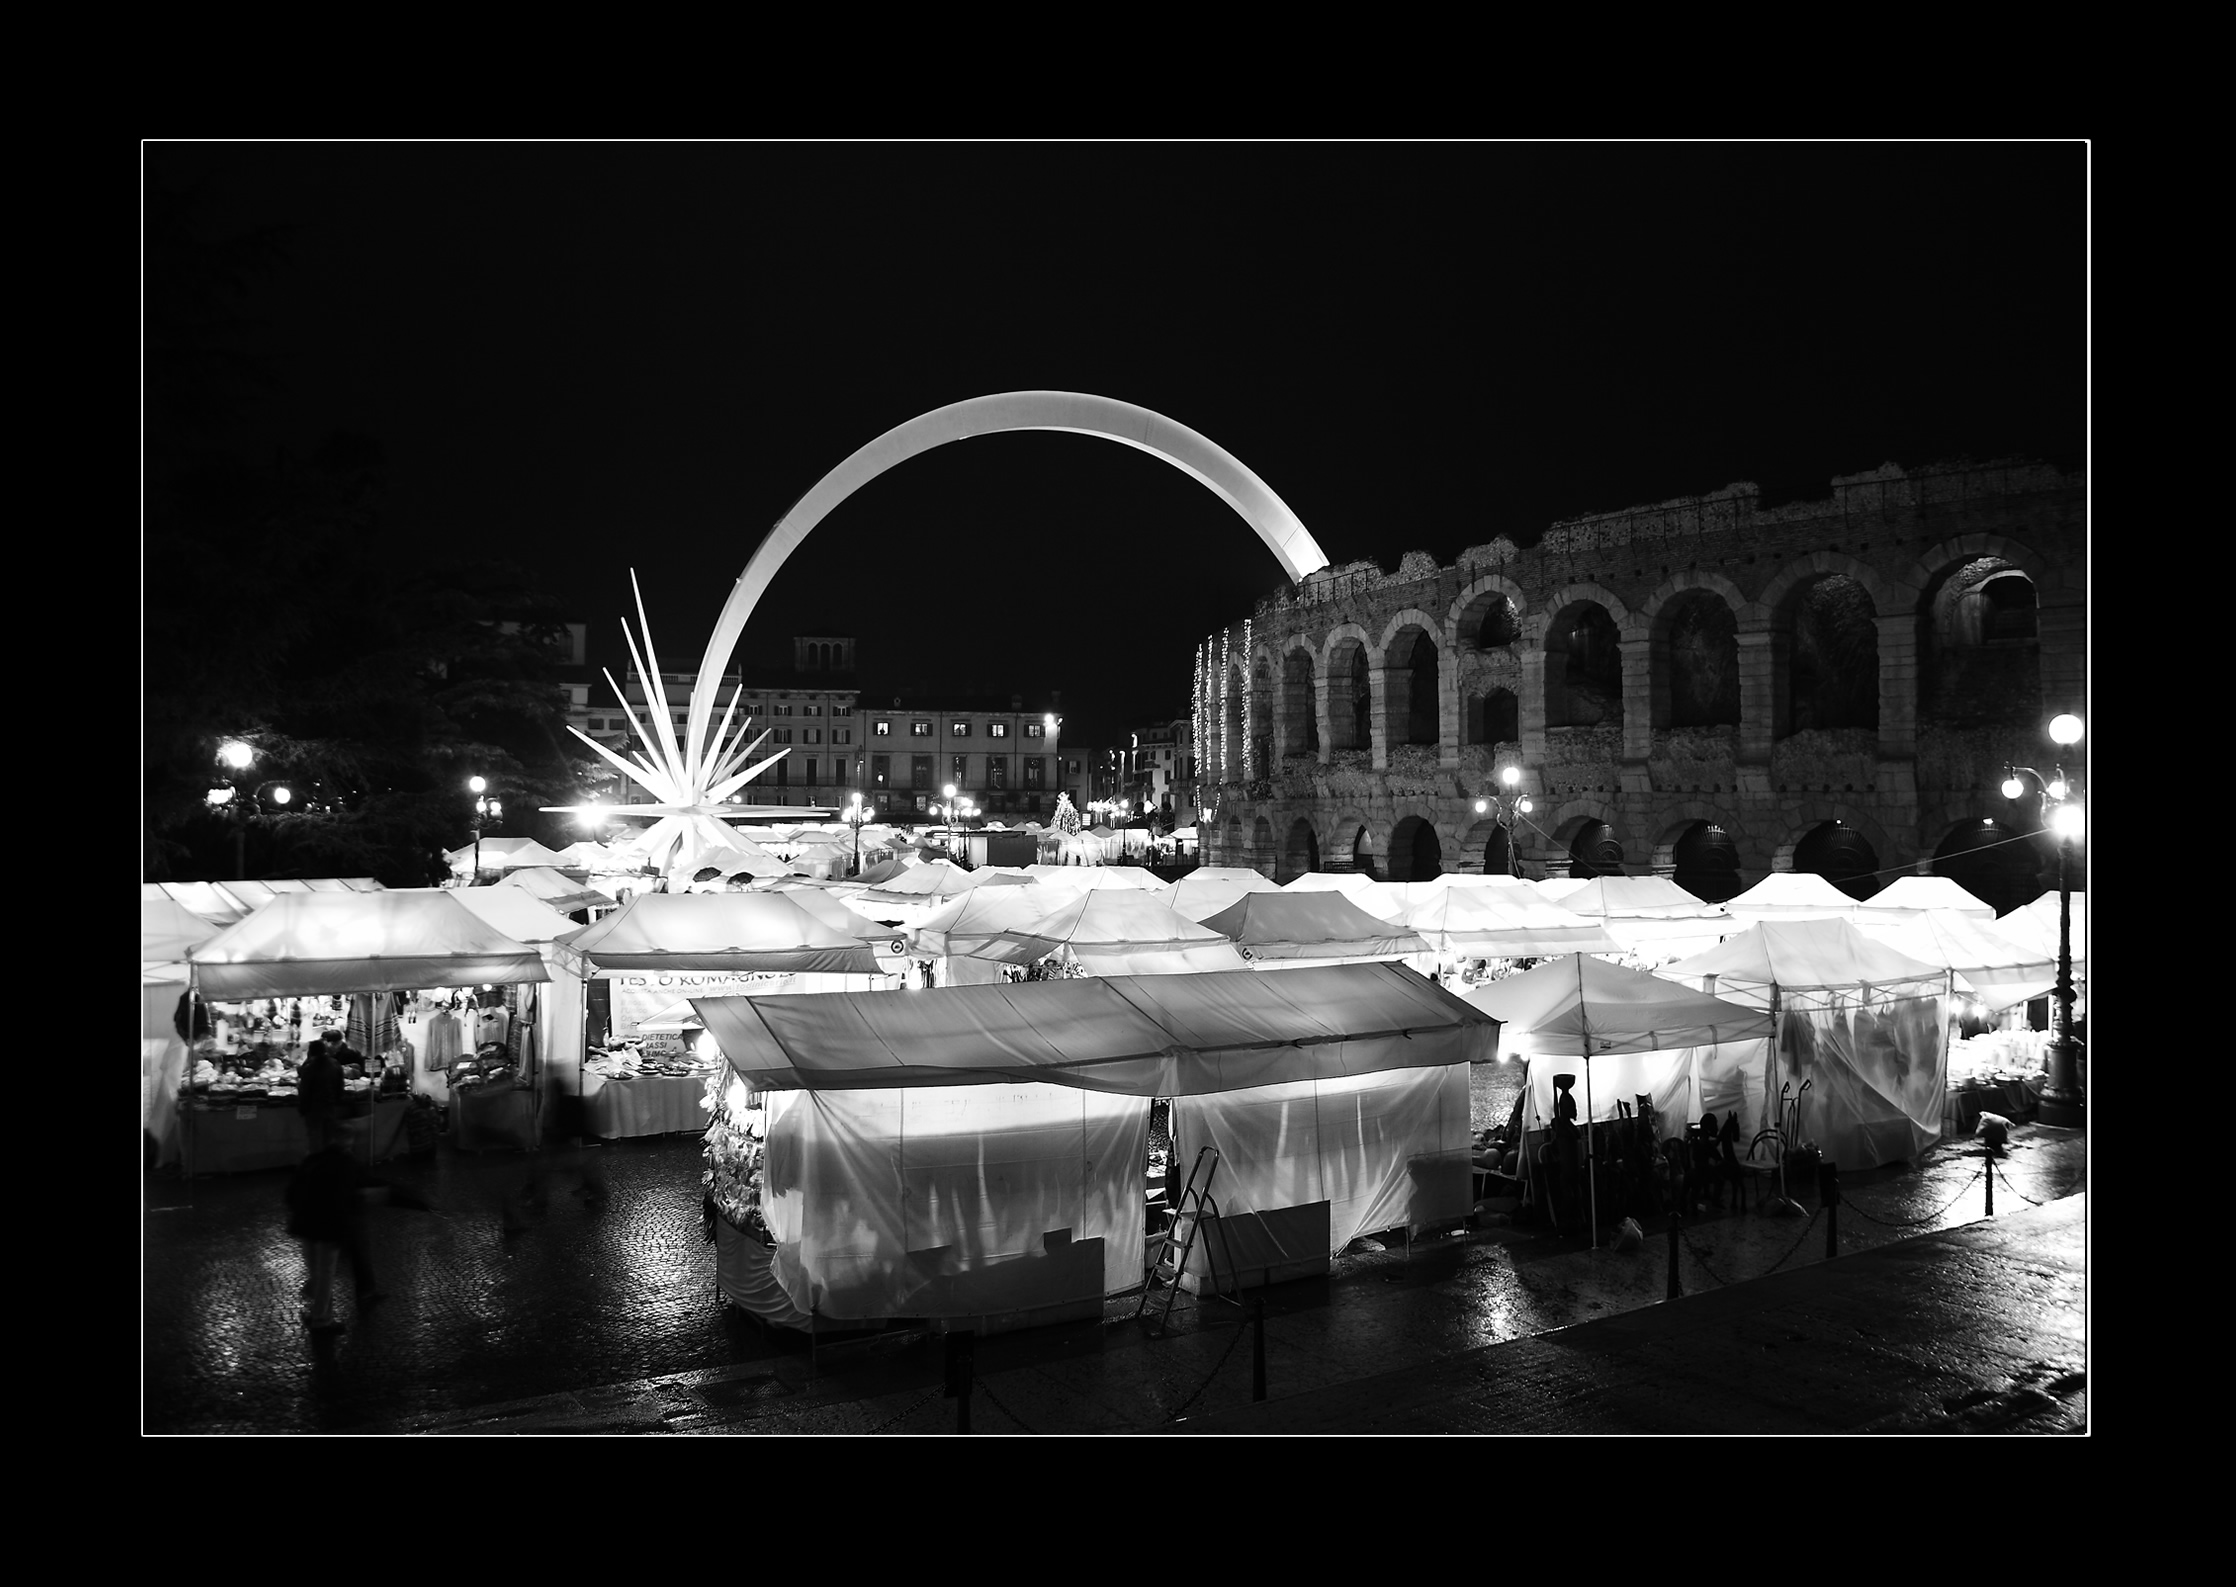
<point x="1709" y="689"/>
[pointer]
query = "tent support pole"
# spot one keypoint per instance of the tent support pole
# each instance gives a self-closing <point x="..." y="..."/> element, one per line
<point x="1591" y="1166"/>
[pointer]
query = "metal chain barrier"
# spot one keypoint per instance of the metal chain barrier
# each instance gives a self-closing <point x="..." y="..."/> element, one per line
<point x="987" y="1389"/>
<point x="1240" y="1330"/>
<point x="1805" y="1228"/>
<point x="1848" y="1199"/>
<point x="2013" y="1189"/>
<point x="1686" y="1236"/>
<point x="903" y="1415"/>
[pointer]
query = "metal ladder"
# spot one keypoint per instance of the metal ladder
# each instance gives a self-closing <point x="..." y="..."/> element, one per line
<point x="1194" y="1206"/>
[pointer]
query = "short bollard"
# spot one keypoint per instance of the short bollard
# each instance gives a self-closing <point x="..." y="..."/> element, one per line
<point x="1676" y="1219"/>
<point x="1828" y="1197"/>
<point x="1258" y="1348"/>
<point x="1989" y="1171"/>
<point x="959" y="1375"/>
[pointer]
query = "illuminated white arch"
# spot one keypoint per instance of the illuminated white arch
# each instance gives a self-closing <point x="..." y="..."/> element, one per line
<point x="1202" y="460"/>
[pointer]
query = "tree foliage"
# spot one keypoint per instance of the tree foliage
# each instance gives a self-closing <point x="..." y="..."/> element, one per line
<point x="370" y="687"/>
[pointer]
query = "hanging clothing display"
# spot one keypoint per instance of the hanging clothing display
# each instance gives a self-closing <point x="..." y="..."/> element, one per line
<point x="445" y="1041"/>
<point x="371" y="1027"/>
<point x="491" y="1025"/>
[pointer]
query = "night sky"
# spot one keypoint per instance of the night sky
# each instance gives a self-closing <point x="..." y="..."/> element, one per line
<point x="593" y="357"/>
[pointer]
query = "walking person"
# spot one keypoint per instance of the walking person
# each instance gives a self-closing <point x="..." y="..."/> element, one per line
<point x="318" y="1083"/>
<point x="323" y="1212"/>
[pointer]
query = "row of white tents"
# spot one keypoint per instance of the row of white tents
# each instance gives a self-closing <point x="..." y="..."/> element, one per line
<point x="977" y="1152"/>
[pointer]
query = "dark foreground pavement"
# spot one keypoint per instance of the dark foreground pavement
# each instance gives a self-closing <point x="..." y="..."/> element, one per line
<point x="570" y="1294"/>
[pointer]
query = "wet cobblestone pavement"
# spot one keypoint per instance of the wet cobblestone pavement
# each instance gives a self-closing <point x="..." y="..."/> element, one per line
<point x="571" y="1291"/>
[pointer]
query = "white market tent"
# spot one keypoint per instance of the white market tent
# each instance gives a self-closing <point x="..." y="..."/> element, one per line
<point x="320" y="944"/>
<point x="1328" y="882"/>
<point x="551" y="888"/>
<point x="2035" y="926"/>
<point x="1502" y="923"/>
<point x="1651" y="916"/>
<point x="169" y="931"/>
<point x="972" y="935"/>
<point x="1990" y="966"/>
<point x="881" y="1192"/>
<point x="662" y="946"/>
<point x="1908" y="897"/>
<point x="557" y="1009"/>
<point x="502" y="854"/>
<point x="1559" y="887"/>
<point x="312" y="944"/>
<point x="1110" y="931"/>
<point x="1210" y="888"/>
<point x="1865" y="1024"/>
<point x="1790" y="895"/>
<point x="1284" y="930"/>
<point x="1647" y="1036"/>
<point x="675" y="932"/>
<point x="1091" y="877"/>
<point x="205" y="899"/>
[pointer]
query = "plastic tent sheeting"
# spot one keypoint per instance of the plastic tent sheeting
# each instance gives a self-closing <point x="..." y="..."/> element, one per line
<point x="953" y="1201"/>
<point x="1865" y="1024"/>
<point x="1503" y="923"/>
<point x="1282" y="929"/>
<point x="306" y="944"/>
<point x="1384" y="1150"/>
<point x="1559" y="887"/>
<point x="1909" y="897"/>
<point x="680" y="932"/>
<point x="1147" y="1036"/>
<point x="1989" y="965"/>
<point x="1790" y="895"/>
<point x="676" y="1017"/>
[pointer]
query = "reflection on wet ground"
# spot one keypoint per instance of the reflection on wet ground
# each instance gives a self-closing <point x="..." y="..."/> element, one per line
<point x="556" y="1273"/>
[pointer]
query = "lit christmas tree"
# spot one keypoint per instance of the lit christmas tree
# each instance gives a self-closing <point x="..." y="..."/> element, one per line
<point x="1067" y="819"/>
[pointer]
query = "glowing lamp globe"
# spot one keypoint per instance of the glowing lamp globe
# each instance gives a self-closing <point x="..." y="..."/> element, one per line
<point x="2012" y="787"/>
<point x="2065" y="729"/>
<point x="2069" y="823"/>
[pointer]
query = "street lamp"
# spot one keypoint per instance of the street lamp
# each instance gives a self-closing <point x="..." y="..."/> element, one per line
<point x="2064" y="1098"/>
<point x="483" y="807"/>
<point x="1509" y="802"/>
<point x="856" y="814"/>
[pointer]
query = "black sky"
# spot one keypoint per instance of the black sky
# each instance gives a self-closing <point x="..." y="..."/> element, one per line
<point x="595" y="357"/>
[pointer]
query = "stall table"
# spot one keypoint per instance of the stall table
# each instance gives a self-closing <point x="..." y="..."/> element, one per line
<point x="238" y="1137"/>
<point x="645" y="1104"/>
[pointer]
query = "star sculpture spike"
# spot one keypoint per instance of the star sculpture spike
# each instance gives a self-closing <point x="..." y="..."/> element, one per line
<point x="688" y="780"/>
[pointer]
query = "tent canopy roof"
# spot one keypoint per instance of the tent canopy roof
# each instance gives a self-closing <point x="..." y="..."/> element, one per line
<point x="1562" y="1003"/>
<point x="1149" y="1035"/>
<point x="721" y="931"/>
<point x="1803" y="956"/>
<point x="304" y="944"/>
<point x="1312" y="925"/>
<point x="169" y="930"/>
<point x="1920" y="893"/>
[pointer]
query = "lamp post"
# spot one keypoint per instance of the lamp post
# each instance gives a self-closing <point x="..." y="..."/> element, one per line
<point x="2064" y="1097"/>
<point x="1508" y="801"/>
<point x="234" y="756"/>
<point x="484" y="806"/>
<point x="856" y="814"/>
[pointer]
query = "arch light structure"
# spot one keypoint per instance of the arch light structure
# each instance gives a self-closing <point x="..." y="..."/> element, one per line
<point x="1207" y="463"/>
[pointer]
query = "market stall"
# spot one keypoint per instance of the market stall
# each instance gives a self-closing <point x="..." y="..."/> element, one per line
<point x="320" y="949"/>
<point x="1210" y="888"/>
<point x="1631" y="1036"/>
<point x="1284" y="931"/>
<point x="979" y="1156"/>
<point x="1864" y="1024"/>
<point x="668" y="946"/>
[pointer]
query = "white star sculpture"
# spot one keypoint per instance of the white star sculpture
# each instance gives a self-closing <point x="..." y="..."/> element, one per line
<point x="688" y="782"/>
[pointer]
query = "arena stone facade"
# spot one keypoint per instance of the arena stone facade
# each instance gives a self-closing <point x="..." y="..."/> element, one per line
<point x="1707" y="688"/>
